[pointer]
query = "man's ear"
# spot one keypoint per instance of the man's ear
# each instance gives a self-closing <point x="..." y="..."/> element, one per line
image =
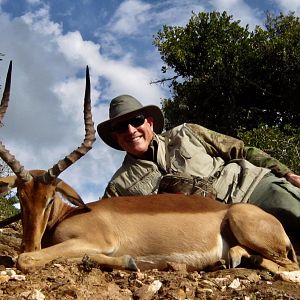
<point x="7" y="183"/>
<point x="150" y="121"/>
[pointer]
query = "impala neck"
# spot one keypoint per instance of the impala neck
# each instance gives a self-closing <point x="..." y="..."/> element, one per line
<point x="59" y="211"/>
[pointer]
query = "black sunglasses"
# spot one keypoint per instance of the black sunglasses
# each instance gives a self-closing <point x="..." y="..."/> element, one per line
<point x="123" y="126"/>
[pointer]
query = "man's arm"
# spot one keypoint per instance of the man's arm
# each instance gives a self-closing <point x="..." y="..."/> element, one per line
<point x="262" y="159"/>
<point x="218" y="144"/>
<point x="229" y="148"/>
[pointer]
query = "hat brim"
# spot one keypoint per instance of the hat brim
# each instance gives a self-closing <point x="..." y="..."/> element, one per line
<point x="104" y="129"/>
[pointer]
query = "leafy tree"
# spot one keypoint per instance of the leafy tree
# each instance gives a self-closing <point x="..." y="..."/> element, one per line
<point x="7" y="200"/>
<point x="226" y="77"/>
<point x="281" y="143"/>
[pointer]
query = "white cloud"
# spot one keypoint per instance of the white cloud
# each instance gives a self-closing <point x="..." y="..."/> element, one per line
<point x="40" y="22"/>
<point x="176" y="12"/>
<point x="140" y="17"/>
<point x="240" y="11"/>
<point x="78" y="51"/>
<point x="130" y="15"/>
<point x="289" y="5"/>
<point x="33" y="1"/>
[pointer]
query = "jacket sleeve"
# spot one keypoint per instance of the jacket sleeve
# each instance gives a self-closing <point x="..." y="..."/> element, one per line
<point x="217" y="144"/>
<point x="261" y="159"/>
<point x="229" y="148"/>
<point x="110" y="191"/>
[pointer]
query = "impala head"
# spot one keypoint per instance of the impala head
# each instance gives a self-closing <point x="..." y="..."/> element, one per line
<point x="37" y="189"/>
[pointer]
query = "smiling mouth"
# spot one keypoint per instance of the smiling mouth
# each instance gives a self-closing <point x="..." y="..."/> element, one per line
<point x="134" y="140"/>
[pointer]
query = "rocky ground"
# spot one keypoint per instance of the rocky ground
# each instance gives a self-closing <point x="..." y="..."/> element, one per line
<point x="66" y="280"/>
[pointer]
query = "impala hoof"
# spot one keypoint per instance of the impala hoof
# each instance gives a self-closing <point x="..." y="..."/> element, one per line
<point x="131" y="264"/>
<point x="26" y="264"/>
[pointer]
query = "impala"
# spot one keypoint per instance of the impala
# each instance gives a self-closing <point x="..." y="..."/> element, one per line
<point x="137" y="232"/>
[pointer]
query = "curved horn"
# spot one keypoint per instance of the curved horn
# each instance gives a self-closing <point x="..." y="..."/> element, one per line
<point x="10" y="160"/>
<point x="5" y="97"/>
<point x="89" y="139"/>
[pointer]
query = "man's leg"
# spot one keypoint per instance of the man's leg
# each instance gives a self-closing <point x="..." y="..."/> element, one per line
<point x="280" y="198"/>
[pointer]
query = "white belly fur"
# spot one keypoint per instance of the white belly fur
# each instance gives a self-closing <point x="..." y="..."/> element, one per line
<point x="198" y="259"/>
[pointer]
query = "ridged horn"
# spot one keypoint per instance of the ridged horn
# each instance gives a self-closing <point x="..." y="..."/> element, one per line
<point x="89" y="139"/>
<point x="7" y="157"/>
<point x="5" y="97"/>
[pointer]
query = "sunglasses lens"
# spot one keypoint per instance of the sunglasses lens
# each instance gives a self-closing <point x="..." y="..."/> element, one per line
<point x="135" y="122"/>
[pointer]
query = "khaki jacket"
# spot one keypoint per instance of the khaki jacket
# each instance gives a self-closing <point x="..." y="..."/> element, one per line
<point x="198" y="151"/>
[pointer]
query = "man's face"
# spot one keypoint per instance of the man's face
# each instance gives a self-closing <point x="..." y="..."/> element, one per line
<point x="134" y="135"/>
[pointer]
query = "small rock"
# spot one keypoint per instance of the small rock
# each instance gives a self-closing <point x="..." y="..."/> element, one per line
<point x="204" y="291"/>
<point x="253" y="277"/>
<point x="10" y="272"/>
<point x="146" y="292"/>
<point x="138" y="282"/>
<point x="60" y="267"/>
<point x="37" y="295"/>
<point x="208" y="282"/>
<point x="4" y="278"/>
<point x="195" y="276"/>
<point x="222" y="280"/>
<point x="18" y="277"/>
<point x="180" y="294"/>
<point x="235" y="284"/>
<point x="173" y="266"/>
<point x="293" y="276"/>
<point x="139" y="275"/>
<point x="32" y="295"/>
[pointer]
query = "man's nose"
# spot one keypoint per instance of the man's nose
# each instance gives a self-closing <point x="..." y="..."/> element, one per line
<point x="131" y="129"/>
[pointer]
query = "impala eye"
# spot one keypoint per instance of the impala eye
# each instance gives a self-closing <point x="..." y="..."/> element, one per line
<point x="50" y="202"/>
<point x="21" y="194"/>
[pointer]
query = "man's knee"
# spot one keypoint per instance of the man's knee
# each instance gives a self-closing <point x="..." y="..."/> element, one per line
<point x="279" y="198"/>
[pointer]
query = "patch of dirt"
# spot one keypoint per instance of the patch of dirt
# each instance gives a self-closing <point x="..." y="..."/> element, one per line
<point x="67" y="280"/>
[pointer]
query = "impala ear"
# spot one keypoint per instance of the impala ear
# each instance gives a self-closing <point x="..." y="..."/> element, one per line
<point x="70" y="194"/>
<point x="7" y="183"/>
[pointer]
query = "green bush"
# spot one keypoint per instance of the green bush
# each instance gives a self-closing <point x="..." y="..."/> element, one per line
<point x="7" y="207"/>
<point x="281" y="143"/>
<point x="9" y="199"/>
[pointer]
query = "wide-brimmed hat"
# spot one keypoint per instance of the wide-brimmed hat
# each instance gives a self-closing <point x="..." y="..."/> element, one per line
<point x="123" y="108"/>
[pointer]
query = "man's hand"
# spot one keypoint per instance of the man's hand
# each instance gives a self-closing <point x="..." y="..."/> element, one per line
<point x="293" y="179"/>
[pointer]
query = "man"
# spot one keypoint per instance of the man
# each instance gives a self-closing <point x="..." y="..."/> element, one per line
<point x="238" y="173"/>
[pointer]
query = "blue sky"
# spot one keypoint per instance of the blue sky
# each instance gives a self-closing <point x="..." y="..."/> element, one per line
<point x="51" y="42"/>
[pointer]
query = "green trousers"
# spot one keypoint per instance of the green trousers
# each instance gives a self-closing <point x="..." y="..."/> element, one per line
<point x="280" y="198"/>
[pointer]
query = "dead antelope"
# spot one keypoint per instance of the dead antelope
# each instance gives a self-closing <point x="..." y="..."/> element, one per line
<point x="140" y="232"/>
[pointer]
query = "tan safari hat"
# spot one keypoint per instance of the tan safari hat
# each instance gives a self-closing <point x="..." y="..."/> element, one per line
<point x="123" y="108"/>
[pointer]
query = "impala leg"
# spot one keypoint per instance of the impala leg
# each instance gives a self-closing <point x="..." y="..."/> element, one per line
<point x="74" y="248"/>
<point x="276" y="265"/>
<point x="272" y="266"/>
<point x="264" y="235"/>
<point x="235" y="255"/>
<point x="119" y="262"/>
